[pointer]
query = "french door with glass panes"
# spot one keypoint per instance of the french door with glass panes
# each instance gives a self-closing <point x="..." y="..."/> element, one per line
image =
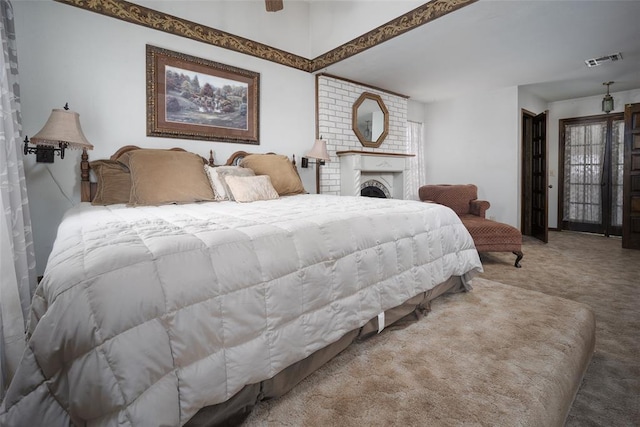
<point x="592" y="166"/>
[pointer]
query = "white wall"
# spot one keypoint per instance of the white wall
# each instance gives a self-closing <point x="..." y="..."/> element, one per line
<point x="530" y="102"/>
<point x="415" y="111"/>
<point x="475" y="140"/>
<point x="97" y="64"/>
<point x="580" y="107"/>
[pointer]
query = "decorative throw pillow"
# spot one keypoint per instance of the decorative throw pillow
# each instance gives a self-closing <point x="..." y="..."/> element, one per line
<point x="251" y="188"/>
<point x="113" y="182"/>
<point x="283" y="174"/>
<point x="165" y="176"/>
<point x="219" y="192"/>
<point x="216" y="178"/>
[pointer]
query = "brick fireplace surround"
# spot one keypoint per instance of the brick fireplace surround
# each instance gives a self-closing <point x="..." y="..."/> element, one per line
<point x="335" y="99"/>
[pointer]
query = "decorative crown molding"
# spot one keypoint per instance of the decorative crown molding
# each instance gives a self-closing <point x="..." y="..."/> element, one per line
<point x="150" y="18"/>
<point x="410" y="20"/>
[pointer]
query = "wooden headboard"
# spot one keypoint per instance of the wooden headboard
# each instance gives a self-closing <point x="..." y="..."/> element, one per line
<point x="88" y="189"/>
<point x="235" y="158"/>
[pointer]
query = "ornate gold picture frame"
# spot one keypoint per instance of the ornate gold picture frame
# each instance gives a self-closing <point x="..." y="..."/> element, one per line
<point x="194" y="98"/>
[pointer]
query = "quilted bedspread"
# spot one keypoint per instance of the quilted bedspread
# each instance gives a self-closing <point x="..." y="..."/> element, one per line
<point x="147" y="314"/>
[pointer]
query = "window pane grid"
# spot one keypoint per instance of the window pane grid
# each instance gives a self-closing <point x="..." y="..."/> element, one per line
<point x="584" y="157"/>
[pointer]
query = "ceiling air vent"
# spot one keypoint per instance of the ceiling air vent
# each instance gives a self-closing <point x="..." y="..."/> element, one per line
<point x="594" y="62"/>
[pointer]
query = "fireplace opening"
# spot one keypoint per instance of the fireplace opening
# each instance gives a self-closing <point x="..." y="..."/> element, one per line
<point x="373" y="188"/>
<point x="372" y="192"/>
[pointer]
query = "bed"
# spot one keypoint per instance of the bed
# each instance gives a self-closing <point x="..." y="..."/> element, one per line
<point x="189" y="311"/>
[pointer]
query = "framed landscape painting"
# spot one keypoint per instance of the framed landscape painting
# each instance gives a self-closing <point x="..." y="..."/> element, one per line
<point x="194" y="98"/>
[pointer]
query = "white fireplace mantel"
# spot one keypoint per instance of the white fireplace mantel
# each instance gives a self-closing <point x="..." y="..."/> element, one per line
<point x="386" y="170"/>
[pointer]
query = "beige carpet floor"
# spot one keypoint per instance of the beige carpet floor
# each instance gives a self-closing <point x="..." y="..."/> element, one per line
<point x="589" y="269"/>
<point x="595" y="271"/>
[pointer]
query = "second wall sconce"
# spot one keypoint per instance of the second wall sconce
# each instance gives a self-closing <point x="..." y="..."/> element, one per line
<point x="320" y="154"/>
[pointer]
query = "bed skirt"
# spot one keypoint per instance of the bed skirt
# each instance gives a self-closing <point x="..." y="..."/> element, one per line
<point x="236" y="409"/>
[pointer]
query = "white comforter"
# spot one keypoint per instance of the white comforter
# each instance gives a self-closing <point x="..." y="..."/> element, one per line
<point x="147" y="314"/>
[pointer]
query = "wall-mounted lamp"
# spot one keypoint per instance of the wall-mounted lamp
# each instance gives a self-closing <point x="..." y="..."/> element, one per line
<point x="607" y="101"/>
<point x="274" y="5"/>
<point x="61" y="131"/>
<point x="318" y="152"/>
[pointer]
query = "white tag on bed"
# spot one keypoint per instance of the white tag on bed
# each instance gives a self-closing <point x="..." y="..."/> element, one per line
<point x="380" y="322"/>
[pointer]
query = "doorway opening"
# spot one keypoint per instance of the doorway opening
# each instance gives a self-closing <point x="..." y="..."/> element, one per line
<point x="535" y="194"/>
<point x="591" y="174"/>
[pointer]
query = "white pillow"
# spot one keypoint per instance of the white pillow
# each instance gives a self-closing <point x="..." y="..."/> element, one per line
<point x="251" y="188"/>
<point x="216" y="174"/>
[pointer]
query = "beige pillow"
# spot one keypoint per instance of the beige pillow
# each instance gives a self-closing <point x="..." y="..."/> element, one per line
<point x="251" y="188"/>
<point x="113" y="182"/>
<point x="164" y="176"/>
<point x="216" y="178"/>
<point x="283" y="174"/>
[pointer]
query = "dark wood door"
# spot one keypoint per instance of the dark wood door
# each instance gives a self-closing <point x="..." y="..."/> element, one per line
<point x="539" y="182"/>
<point x="631" y="179"/>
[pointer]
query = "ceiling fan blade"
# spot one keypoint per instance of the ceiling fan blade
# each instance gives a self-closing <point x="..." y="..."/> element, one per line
<point x="274" y="5"/>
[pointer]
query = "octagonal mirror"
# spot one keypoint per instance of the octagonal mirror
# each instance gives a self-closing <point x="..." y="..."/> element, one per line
<point x="370" y="120"/>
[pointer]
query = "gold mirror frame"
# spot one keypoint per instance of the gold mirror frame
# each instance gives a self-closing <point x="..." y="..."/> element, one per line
<point x="364" y="139"/>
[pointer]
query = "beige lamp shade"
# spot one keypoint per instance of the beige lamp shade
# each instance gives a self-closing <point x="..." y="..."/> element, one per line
<point x="63" y="127"/>
<point x="319" y="150"/>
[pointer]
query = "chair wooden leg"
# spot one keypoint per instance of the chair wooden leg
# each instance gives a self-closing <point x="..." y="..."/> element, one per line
<point x="519" y="256"/>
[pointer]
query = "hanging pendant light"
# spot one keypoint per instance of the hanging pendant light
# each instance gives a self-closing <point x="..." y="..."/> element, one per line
<point x="607" y="101"/>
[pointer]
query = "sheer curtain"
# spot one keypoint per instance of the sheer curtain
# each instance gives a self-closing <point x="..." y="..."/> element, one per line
<point x="17" y="259"/>
<point x="417" y="173"/>
<point x="617" y="177"/>
<point x="583" y="165"/>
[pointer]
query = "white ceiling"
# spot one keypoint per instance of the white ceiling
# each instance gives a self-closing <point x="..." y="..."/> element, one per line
<point x="540" y="45"/>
